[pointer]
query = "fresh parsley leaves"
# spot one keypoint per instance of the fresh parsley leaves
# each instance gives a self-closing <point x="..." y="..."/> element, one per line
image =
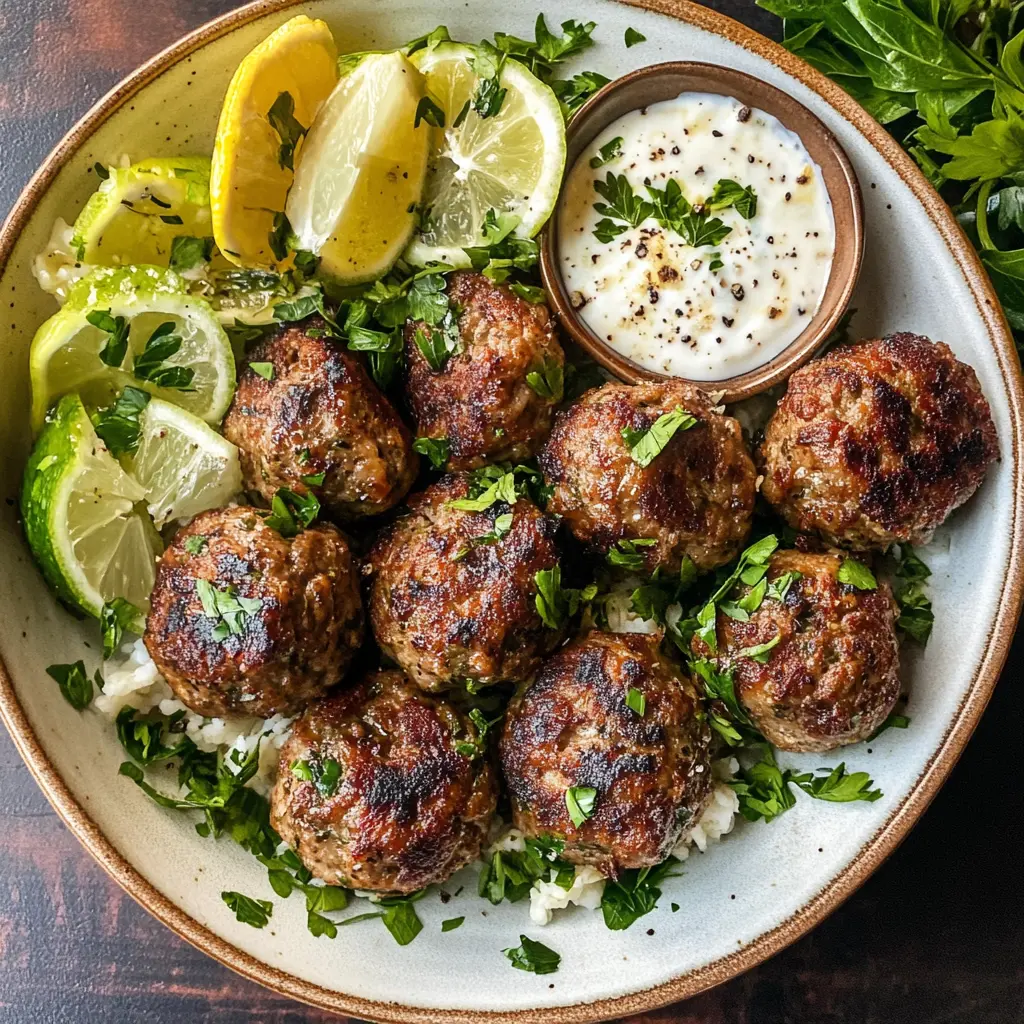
<point x="119" y="425"/>
<point x="487" y="66"/>
<point x="620" y="202"/>
<point x="636" y="701"/>
<point x="502" y="525"/>
<point x="633" y="894"/>
<point x="437" y="449"/>
<point x="533" y="956"/>
<point x="229" y="611"/>
<point x="438" y="344"/>
<point x="264" y="370"/>
<point x="728" y="193"/>
<point x="115" y="617"/>
<point x="548" y="380"/>
<point x="427" y="110"/>
<point x="323" y="773"/>
<point x="188" y="252"/>
<point x="291" y="513"/>
<point x="248" y="910"/>
<point x="580" y="802"/>
<point x="693" y="224"/>
<point x="916" y="617"/>
<point x="75" y="685"/>
<point x="116" y="346"/>
<point x="557" y="604"/>
<point x="151" y="364"/>
<point x="627" y="554"/>
<point x="608" y="152"/>
<point x="856" y="574"/>
<point x="646" y="445"/>
<point x="633" y="37"/>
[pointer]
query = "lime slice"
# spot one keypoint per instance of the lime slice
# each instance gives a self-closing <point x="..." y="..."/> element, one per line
<point x="183" y="466"/>
<point x="65" y="353"/>
<point x="362" y="170"/>
<point x="83" y="517"/>
<point x="135" y="215"/>
<point x="290" y="73"/>
<point x="511" y="162"/>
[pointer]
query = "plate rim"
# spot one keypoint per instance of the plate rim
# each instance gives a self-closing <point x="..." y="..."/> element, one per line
<point x="885" y="839"/>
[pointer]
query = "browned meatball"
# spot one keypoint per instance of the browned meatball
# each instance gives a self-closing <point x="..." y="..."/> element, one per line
<point x="480" y="399"/>
<point x="878" y="442"/>
<point x="319" y="413"/>
<point x="695" y="498"/>
<point x="451" y="601"/>
<point x="574" y="728"/>
<point x="400" y="806"/>
<point x="245" y="622"/>
<point x="833" y="676"/>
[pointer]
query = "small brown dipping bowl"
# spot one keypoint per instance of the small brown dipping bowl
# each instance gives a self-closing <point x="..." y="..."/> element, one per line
<point x="658" y="82"/>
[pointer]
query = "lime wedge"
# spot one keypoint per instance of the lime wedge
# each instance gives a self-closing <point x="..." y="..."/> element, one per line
<point x="83" y="517"/>
<point x="270" y="103"/>
<point x="66" y="351"/>
<point x="183" y="466"/>
<point x="511" y="162"/>
<point x="137" y="212"/>
<point x="361" y="172"/>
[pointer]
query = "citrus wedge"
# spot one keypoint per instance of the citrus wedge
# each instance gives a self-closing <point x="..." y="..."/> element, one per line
<point x="271" y="102"/>
<point x="138" y="211"/>
<point x="83" y="518"/>
<point x="362" y="170"/>
<point x="183" y="466"/>
<point x="510" y="162"/>
<point x="68" y="352"/>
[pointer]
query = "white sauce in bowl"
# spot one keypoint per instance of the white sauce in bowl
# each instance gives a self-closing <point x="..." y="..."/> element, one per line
<point x="667" y="305"/>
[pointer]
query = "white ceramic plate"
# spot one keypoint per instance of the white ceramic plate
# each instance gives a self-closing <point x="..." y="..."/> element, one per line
<point x="760" y="888"/>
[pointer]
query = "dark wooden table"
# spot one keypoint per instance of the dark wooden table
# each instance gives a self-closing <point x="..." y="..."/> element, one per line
<point x="937" y="935"/>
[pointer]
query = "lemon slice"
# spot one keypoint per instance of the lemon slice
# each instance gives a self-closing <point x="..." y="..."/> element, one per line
<point x="511" y="162"/>
<point x="362" y="170"/>
<point x="291" y="72"/>
<point x="183" y="466"/>
<point x="83" y="517"/>
<point x="66" y="351"/>
<point x="138" y="211"/>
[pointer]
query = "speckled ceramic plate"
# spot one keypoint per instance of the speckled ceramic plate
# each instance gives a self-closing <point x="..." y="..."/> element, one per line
<point x="763" y="886"/>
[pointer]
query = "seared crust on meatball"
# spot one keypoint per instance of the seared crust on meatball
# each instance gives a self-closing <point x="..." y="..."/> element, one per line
<point x="288" y="623"/>
<point x="696" y="498"/>
<point x="449" y="602"/>
<point x="573" y="727"/>
<point x="833" y="676"/>
<point x="319" y="413"/>
<point x="878" y="442"/>
<point x="408" y="809"/>
<point x="480" y="400"/>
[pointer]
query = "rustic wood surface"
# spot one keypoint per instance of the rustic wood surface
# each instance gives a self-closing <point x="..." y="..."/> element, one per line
<point x="936" y="936"/>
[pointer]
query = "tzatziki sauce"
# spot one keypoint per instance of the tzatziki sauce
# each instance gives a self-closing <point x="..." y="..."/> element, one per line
<point x="696" y="236"/>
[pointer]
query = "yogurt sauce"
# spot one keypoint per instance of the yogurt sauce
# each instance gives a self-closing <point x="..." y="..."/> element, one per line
<point x="711" y="311"/>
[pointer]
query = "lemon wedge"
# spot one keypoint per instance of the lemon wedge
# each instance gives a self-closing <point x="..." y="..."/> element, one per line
<point x="362" y="169"/>
<point x="270" y="104"/>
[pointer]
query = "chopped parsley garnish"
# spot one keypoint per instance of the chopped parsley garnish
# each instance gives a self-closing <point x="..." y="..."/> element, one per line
<point x="282" y="119"/>
<point x="502" y="525"/>
<point x="625" y="554"/>
<point x="549" y="380"/>
<point x="451" y="924"/>
<point x="150" y="363"/>
<point x="916" y="617"/>
<point x="248" y="910"/>
<point x="142" y="735"/>
<point x="533" y="956"/>
<point x="119" y="426"/>
<point x="500" y="488"/>
<point x="633" y="37"/>
<point x="427" y="110"/>
<point x="608" y="152"/>
<point x="315" y="479"/>
<point x="265" y="370"/>
<point x="226" y="608"/>
<point x="894" y="721"/>
<point x="856" y="574"/>
<point x="116" y="346"/>
<point x="115" y="617"/>
<point x="438" y="344"/>
<point x="646" y="445"/>
<point x="487" y="65"/>
<point x="324" y="773"/>
<point x="580" y="803"/>
<point x="673" y="211"/>
<point x="280" y="233"/>
<point x="760" y="652"/>
<point x="510" y="874"/>
<point x="728" y="193"/>
<point x="74" y="684"/>
<point x="291" y="513"/>
<point x="437" y="449"/>
<point x="556" y="604"/>
<point x="188" y="252"/>
<point x="574" y="92"/>
<point x="476" y="745"/>
<point x="620" y="202"/>
<point x="195" y="544"/>
<point x="633" y="894"/>
<point x="636" y="701"/>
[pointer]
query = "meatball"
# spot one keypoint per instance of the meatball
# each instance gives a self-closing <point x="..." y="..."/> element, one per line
<point x="246" y="622"/>
<point x="695" y="499"/>
<point x="377" y="788"/>
<point x="319" y="415"/>
<point x="453" y="595"/>
<point x="609" y="712"/>
<point x="480" y="400"/>
<point x="878" y="442"/>
<point x="832" y="676"/>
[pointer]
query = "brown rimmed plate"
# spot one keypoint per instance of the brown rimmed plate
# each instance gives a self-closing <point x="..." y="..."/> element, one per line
<point x="920" y="273"/>
<point x="658" y="82"/>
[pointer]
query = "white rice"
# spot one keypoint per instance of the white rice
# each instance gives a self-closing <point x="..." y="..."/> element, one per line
<point x="131" y="677"/>
<point x="719" y="816"/>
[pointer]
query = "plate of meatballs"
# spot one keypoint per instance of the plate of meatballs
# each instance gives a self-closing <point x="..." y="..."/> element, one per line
<point x="403" y="658"/>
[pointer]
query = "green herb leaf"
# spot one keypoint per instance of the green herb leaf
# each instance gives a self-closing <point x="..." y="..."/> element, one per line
<point x="400" y="918"/>
<point x="291" y="513"/>
<point x="324" y="773"/>
<point x="838" y="786"/>
<point x="633" y="37"/>
<point x="529" y="293"/>
<point x="427" y="110"/>
<point x="230" y="611"/>
<point x="728" y="193"/>
<point x="73" y="682"/>
<point x="248" y="910"/>
<point x="608" y="152"/>
<point x="142" y="735"/>
<point x="533" y="956"/>
<point x="280" y="233"/>
<point x="437" y="449"/>
<point x="579" y="802"/>
<point x="487" y="65"/>
<point x="673" y="211"/>
<point x="116" y="346"/>
<point x="555" y="603"/>
<point x="760" y="652"/>
<point x="195" y="544"/>
<point x="894" y="721"/>
<point x="636" y="701"/>
<point x="856" y="574"/>
<point x="646" y="445"/>
<point x="451" y="924"/>
<point x="549" y="380"/>
<point x="438" y="344"/>
<point x="633" y="894"/>
<point x="188" y="252"/>
<point x="151" y="365"/>
<point x="265" y="370"/>
<point x="118" y="426"/>
<point x="621" y="203"/>
<point x="626" y="554"/>
<point x="574" y="92"/>
<point x="282" y="119"/>
<point x="115" y="617"/>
